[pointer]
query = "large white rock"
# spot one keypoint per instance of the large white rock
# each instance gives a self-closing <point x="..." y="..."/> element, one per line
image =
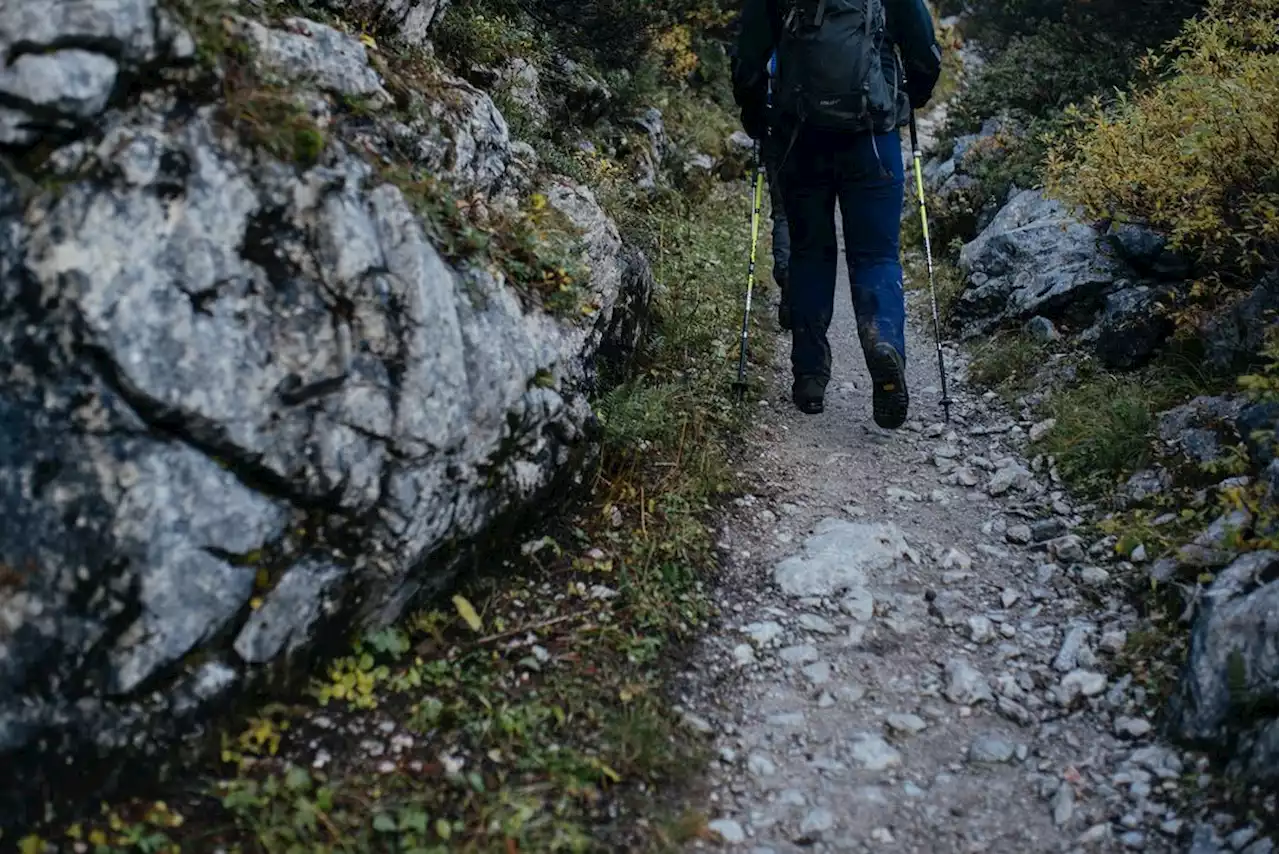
<point x="840" y="556"/>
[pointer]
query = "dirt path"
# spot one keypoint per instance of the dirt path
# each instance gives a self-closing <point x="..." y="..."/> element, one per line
<point x="916" y="651"/>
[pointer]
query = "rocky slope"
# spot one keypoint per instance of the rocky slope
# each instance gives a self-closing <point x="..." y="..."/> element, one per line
<point x="252" y="394"/>
<point x="1035" y="264"/>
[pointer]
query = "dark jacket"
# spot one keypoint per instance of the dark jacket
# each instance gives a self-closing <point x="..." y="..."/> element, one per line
<point x="908" y="26"/>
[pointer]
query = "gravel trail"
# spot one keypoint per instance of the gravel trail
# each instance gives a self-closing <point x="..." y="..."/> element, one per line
<point x="917" y="652"/>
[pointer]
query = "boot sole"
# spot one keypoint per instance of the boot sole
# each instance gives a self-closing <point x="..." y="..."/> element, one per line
<point x="889" y="397"/>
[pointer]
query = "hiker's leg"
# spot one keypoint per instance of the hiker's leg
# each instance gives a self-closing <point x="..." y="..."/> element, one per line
<point x="809" y="194"/>
<point x="773" y="149"/>
<point x="871" y="186"/>
<point x="777" y="209"/>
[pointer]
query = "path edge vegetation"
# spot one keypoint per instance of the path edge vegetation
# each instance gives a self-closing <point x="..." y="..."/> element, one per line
<point x="527" y="709"/>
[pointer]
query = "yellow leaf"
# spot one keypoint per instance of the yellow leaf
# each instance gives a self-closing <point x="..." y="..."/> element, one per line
<point x="610" y="773"/>
<point x="468" y="613"/>
<point x="31" y="844"/>
<point x="367" y="41"/>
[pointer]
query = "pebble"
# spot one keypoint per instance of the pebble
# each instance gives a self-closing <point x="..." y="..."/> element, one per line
<point x="1009" y="597"/>
<point x="728" y="830"/>
<point x="744" y="654"/>
<point x="1094" y="575"/>
<point x="761" y="766"/>
<point x="991" y="749"/>
<point x="874" y="753"/>
<point x="1084" y="682"/>
<point x="1020" y="534"/>
<point x="1047" y="529"/>
<point x="1134" y="839"/>
<point x="1097" y="833"/>
<point x="905" y="722"/>
<point x="1041" y="429"/>
<point x="1241" y="837"/>
<point x="1067" y="549"/>
<point x="698" y="724"/>
<point x="1114" y="641"/>
<point x="957" y="559"/>
<point x="965" y="686"/>
<point x="814" y="623"/>
<point x="980" y="629"/>
<point x="882" y="835"/>
<point x="1132" y="727"/>
<point x="818" y="821"/>
<point x="801" y="654"/>
<point x="1064" y="804"/>
<point x="819" y="673"/>
<point x="859" y="604"/>
<point x="1069" y="652"/>
<point x="763" y="633"/>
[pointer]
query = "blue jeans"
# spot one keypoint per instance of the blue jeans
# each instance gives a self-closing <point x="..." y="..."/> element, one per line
<point x="865" y="174"/>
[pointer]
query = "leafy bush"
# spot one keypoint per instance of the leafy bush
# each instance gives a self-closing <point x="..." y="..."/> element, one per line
<point x="611" y="34"/>
<point x="1196" y="154"/>
<point x="1039" y="73"/>
<point x="1089" y="23"/>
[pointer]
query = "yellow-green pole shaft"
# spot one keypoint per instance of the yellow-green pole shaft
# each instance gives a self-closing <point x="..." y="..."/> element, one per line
<point x="741" y="384"/>
<point x="916" y="157"/>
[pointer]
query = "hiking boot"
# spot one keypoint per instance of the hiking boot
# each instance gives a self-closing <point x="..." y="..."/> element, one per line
<point x="784" y="304"/>
<point x="889" y="399"/>
<point x="807" y="395"/>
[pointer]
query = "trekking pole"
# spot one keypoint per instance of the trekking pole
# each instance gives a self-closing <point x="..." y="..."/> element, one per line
<point x="928" y="257"/>
<point x="740" y="387"/>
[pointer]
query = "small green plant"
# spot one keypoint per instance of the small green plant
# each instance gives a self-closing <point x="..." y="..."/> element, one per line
<point x="1104" y="422"/>
<point x="1008" y="362"/>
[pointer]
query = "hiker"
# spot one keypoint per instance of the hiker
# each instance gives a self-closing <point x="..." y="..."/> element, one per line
<point x="849" y="72"/>
<point x="772" y="153"/>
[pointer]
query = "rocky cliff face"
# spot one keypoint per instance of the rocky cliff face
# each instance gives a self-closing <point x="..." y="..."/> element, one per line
<point x="245" y="402"/>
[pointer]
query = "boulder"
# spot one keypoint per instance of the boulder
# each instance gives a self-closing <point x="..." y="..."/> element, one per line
<point x="1226" y="697"/>
<point x="575" y="92"/>
<point x="1146" y="251"/>
<point x="324" y="58"/>
<point x="1142" y="486"/>
<point x="1041" y="329"/>
<point x="62" y="63"/>
<point x="1033" y="259"/>
<point x="1197" y="428"/>
<point x="521" y="82"/>
<point x="738" y="157"/>
<point x="1132" y="327"/>
<point x="407" y="21"/>
<point x="1257" y="425"/>
<point x="1235" y="336"/>
<point x="244" y="404"/>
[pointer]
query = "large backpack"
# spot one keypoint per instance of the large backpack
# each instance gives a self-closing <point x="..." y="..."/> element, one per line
<point x="829" y="64"/>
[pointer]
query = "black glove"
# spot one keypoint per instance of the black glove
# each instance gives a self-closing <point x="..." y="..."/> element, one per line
<point x="921" y="80"/>
<point x="920" y="90"/>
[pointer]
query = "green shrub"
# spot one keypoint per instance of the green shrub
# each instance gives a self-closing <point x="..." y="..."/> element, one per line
<point x="1038" y="74"/>
<point x="1137" y="23"/>
<point x="1194" y="155"/>
<point x="1104" y="421"/>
